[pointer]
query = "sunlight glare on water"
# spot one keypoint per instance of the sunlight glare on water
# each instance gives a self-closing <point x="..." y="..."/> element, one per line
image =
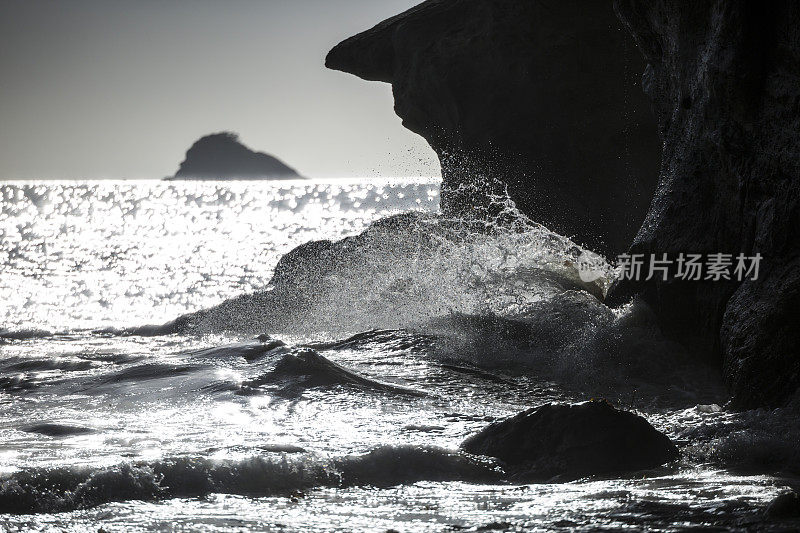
<point x="108" y="253"/>
<point x="221" y="430"/>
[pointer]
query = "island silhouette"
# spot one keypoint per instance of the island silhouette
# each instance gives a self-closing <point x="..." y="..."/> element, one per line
<point x="222" y="156"/>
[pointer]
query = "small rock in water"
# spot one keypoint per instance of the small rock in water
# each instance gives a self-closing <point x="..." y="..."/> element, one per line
<point x="787" y="505"/>
<point x="572" y="441"/>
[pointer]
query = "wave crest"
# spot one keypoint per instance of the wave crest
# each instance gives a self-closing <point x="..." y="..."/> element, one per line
<point x="67" y="489"/>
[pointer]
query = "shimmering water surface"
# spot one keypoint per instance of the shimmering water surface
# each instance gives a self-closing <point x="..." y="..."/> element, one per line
<point x="214" y="430"/>
<point x="87" y="254"/>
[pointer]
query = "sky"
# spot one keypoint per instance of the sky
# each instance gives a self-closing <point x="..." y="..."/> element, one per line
<point x="93" y="89"/>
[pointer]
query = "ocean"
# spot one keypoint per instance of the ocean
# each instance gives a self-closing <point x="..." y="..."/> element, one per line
<point x="341" y="408"/>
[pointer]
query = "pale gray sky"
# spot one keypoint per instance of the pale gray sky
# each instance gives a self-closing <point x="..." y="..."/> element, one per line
<point x="121" y="88"/>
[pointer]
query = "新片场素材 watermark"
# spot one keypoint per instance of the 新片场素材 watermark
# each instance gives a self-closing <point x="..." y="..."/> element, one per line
<point x="688" y="267"/>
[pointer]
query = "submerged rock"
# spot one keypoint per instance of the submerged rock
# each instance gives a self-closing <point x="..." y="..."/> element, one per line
<point x="221" y="156"/>
<point x="724" y="81"/>
<point x="53" y="429"/>
<point x="540" y="95"/>
<point x="572" y="441"/>
<point x="303" y="369"/>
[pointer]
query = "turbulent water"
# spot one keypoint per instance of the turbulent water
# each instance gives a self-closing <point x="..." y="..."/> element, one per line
<point x="342" y="409"/>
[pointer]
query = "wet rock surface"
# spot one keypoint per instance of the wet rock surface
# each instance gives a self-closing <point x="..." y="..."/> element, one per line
<point x="724" y="81"/>
<point x="572" y="441"/>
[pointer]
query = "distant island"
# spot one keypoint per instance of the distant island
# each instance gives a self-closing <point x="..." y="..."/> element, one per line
<point x="221" y="156"/>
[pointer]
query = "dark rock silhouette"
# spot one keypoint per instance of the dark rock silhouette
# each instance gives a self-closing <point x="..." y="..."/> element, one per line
<point x="572" y="441"/>
<point x="222" y="156"/>
<point x="541" y="95"/>
<point x="786" y="505"/>
<point x="725" y="84"/>
<point x="52" y="429"/>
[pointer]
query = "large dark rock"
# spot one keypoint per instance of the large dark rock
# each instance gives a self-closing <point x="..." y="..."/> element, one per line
<point x="572" y="441"/>
<point x="542" y="95"/>
<point x="724" y="78"/>
<point x="786" y="505"/>
<point x="221" y="156"/>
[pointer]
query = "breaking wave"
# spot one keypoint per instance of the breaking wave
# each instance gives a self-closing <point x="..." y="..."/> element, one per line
<point x="66" y="489"/>
<point x="510" y="294"/>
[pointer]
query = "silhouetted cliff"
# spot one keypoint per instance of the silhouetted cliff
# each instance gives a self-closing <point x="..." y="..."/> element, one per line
<point x="542" y="95"/>
<point x="724" y="80"/>
<point x="222" y="156"/>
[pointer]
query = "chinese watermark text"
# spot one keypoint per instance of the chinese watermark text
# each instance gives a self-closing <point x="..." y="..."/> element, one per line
<point x="689" y="267"/>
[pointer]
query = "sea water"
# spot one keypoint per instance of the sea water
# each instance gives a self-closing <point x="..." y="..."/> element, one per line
<point x="406" y="351"/>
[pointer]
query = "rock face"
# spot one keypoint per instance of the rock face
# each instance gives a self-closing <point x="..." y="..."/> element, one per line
<point x="572" y="441"/>
<point x="724" y="78"/>
<point x="222" y="156"/>
<point x="541" y="95"/>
